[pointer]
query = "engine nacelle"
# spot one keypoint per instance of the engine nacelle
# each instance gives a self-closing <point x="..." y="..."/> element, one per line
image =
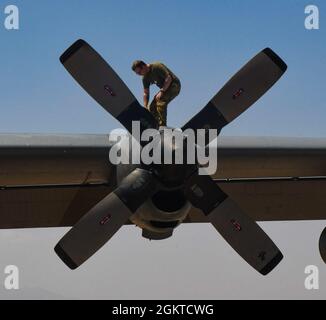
<point x="322" y="245"/>
<point x="163" y="212"/>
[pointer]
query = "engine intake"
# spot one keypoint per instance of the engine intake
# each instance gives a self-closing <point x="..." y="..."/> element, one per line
<point x="169" y="201"/>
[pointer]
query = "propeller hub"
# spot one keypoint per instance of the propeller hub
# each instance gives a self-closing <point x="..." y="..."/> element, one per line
<point x="173" y="168"/>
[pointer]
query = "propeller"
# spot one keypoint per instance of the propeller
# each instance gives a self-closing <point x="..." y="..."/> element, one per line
<point x="238" y="229"/>
<point x="95" y="228"/>
<point x="102" y="83"/>
<point x="242" y="233"/>
<point x="99" y="224"/>
<point x="240" y="92"/>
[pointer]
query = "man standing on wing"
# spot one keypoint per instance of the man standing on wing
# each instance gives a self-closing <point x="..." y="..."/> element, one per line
<point x="165" y="79"/>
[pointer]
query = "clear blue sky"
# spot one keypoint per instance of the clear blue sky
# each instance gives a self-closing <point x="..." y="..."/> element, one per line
<point x="203" y="42"/>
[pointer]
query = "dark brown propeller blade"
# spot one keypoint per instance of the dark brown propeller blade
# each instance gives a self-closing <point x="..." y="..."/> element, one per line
<point x="97" y="226"/>
<point x="242" y="233"/>
<point x="251" y="82"/>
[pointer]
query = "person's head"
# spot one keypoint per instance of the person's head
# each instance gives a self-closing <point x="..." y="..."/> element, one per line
<point x="140" y="67"/>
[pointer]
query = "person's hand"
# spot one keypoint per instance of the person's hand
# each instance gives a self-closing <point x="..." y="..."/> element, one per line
<point x="158" y="95"/>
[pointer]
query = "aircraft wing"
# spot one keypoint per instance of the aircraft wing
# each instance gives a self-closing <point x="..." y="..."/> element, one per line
<point x="52" y="180"/>
<point x="276" y="199"/>
<point x="272" y="178"/>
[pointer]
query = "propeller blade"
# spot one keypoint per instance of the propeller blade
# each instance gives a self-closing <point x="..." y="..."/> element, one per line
<point x="240" y="92"/>
<point x="242" y="233"/>
<point x="97" y="226"/>
<point x="101" y="82"/>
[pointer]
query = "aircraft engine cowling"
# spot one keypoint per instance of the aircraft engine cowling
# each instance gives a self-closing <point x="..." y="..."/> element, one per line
<point x="322" y="245"/>
<point x="168" y="207"/>
<point x="163" y="212"/>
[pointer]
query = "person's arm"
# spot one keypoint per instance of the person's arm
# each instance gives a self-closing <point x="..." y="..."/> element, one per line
<point x="146" y="97"/>
<point x="167" y="83"/>
<point x="167" y="79"/>
<point x="146" y="85"/>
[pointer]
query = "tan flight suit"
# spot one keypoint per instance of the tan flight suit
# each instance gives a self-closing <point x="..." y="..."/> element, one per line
<point x="157" y="74"/>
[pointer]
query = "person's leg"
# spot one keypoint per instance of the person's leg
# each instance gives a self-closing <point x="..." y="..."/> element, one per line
<point x="161" y="111"/>
<point x="153" y="109"/>
<point x="162" y="104"/>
